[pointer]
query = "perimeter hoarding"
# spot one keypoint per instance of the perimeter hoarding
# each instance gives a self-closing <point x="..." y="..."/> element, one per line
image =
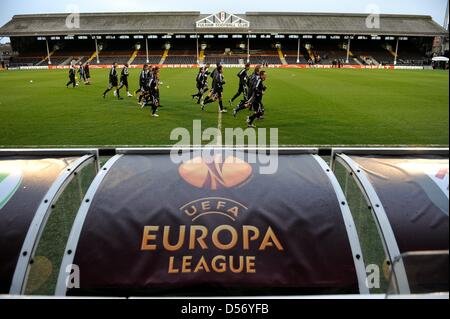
<point x="23" y="185"/>
<point x="219" y="228"/>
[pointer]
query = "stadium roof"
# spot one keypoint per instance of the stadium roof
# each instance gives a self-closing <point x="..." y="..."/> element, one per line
<point x="185" y="22"/>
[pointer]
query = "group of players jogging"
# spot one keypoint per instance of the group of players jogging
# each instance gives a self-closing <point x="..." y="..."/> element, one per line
<point x="148" y="85"/>
<point x="83" y="72"/>
<point x="251" y="88"/>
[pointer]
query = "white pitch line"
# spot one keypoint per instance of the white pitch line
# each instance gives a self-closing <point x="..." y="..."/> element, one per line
<point x="219" y="128"/>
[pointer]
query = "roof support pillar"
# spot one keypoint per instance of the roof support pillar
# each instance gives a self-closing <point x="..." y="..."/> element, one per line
<point x="396" y="52"/>
<point x="146" y="50"/>
<point x="298" y="50"/>
<point x="446" y="17"/>
<point x="443" y="38"/>
<point x="96" y="50"/>
<point x="1" y="52"/>
<point x="248" y="48"/>
<point x="196" y="41"/>
<point x="48" y="52"/>
<point x="348" y="49"/>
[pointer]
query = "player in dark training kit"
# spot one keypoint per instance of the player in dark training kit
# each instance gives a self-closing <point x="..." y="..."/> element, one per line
<point x="256" y="100"/>
<point x="113" y="82"/>
<point x="243" y="78"/>
<point x="217" y="90"/>
<point x="143" y="79"/>
<point x="251" y="81"/>
<point x="151" y="92"/>
<point x="72" y="79"/>
<point x="201" y="83"/>
<point x="87" y="73"/>
<point x="124" y="79"/>
<point x="213" y="74"/>
<point x="81" y="73"/>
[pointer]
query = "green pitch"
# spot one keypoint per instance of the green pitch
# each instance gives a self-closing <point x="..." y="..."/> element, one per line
<point x="309" y="107"/>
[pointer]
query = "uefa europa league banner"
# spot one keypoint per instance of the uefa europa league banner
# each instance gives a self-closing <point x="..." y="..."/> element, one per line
<point x="23" y="184"/>
<point x="214" y="228"/>
<point x="414" y="193"/>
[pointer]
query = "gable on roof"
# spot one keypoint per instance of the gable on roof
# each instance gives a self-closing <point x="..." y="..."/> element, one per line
<point x="223" y="20"/>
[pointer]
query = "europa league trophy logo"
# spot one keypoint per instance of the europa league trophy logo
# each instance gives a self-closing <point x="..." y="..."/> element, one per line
<point x="227" y="173"/>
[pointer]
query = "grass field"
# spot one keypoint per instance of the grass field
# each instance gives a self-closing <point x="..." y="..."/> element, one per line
<point x="309" y="107"/>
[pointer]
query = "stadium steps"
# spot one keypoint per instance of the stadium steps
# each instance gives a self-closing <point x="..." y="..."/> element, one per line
<point x="92" y="57"/>
<point x="46" y="58"/>
<point x="133" y="57"/>
<point x="201" y="57"/>
<point x="357" y="61"/>
<point x="67" y="61"/>
<point x="78" y="60"/>
<point x="374" y="61"/>
<point x="311" y="54"/>
<point x="352" y="56"/>
<point x="391" y="52"/>
<point x="164" y="56"/>
<point x="281" y="55"/>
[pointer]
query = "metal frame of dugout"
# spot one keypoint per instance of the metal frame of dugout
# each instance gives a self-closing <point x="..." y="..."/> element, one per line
<point x="339" y="155"/>
<point x="385" y="223"/>
<point x="79" y="160"/>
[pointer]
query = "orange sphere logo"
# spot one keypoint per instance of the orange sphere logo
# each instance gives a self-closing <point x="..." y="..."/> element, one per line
<point x="227" y="173"/>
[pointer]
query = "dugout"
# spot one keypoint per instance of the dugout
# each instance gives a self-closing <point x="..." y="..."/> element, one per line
<point x="214" y="229"/>
<point x="401" y="194"/>
<point x="40" y="192"/>
<point x="153" y="223"/>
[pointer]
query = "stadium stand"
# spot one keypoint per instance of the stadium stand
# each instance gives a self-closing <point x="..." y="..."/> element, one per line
<point x="5" y="54"/>
<point x="152" y="59"/>
<point x="177" y="38"/>
<point x="180" y="59"/>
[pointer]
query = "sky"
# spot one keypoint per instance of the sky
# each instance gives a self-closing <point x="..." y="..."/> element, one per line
<point x="435" y="8"/>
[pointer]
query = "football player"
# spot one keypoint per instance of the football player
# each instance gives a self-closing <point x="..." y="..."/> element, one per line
<point x="113" y="82"/>
<point x="217" y="90"/>
<point x="87" y="73"/>
<point x="124" y="79"/>
<point x="143" y="77"/>
<point x="243" y="78"/>
<point x="72" y="79"/>
<point x="202" y="83"/>
<point x="251" y="81"/>
<point x="256" y="100"/>
<point x="151" y="92"/>
<point x="81" y="73"/>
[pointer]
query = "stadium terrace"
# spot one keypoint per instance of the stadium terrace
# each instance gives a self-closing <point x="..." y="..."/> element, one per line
<point x="192" y="38"/>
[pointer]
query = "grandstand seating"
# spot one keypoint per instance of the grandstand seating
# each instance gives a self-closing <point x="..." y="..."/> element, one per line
<point x="225" y="59"/>
<point x="152" y="59"/>
<point x="363" y="52"/>
<point x="181" y="56"/>
<point x="110" y="56"/>
<point x="262" y="59"/>
<point x="122" y="34"/>
<point x="55" y="60"/>
<point x="180" y="59"/>
<point x="109" y="59"/>
<point x="291" y="57"/>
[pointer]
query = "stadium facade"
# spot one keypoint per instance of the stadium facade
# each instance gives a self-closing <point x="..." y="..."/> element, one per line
<point x="192" y="38"/>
